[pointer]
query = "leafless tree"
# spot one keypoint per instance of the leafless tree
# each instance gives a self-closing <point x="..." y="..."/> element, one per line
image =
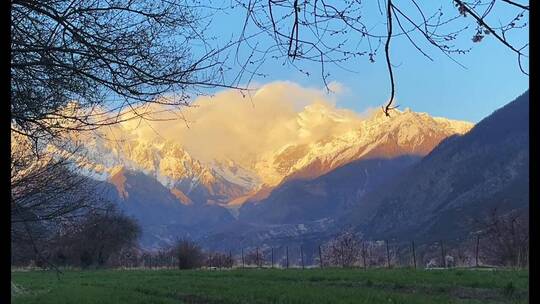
<point x="254" y="257"/>
<point x="47" y="192"/>
<point x="189" y="255"/>
<point x="126" y="257"/>
<point x="96" y="239"/>
<point x="344" y="250"/>
<point x="82" y="242"/>
<point x="377" y="255"/>
<point x="463" y="253"/>
<point x="162" y="257"/>
<point x="334" y="32"/>
<point x="504" y="239"/>
<point x="47" y="187"/>
<point x="218" y="259"/>
<point x="79" y="65"/>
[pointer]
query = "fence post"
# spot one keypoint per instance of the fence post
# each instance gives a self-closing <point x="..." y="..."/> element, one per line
<point x="258" y="261"/>
<point x="476" y="251"/>
<point x="414" y="255"/>
<point x="342" y="257"/>
<point x="287" y="251"/>
<point x="526" y="257"/>
<point x="364" y="254"/>
<point x="320" y="257"/>
<point x="443" y="261"/>
<point x="387" y="255"/>
<point x="519" y="258"/>
<point x="272" y="257"/>
<point x="302" y="256"/>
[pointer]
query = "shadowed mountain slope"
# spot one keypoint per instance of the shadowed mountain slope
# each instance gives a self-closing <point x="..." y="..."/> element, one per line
<point x="460" y="180"/>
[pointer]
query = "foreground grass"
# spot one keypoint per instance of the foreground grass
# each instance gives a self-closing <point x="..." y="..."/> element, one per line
<point x="273" y="286"/>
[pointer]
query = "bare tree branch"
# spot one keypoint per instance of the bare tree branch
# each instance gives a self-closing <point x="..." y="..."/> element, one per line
<point x="333" y="33"/>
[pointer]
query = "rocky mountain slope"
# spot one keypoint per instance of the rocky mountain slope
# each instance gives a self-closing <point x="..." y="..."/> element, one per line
<point x="464" y="178"/>
<point x="405" y="198"/>
<point x="163" y="213"/>
<point x="224" y="180"/>
<point x="380" y="148"/>
<point x="405" y="133"/>
<point x="299" y="200"/>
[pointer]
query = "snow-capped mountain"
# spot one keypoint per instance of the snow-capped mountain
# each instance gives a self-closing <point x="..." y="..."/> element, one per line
<point x="225" y="182"/>
<point x="173" y="193"/>
<point x="462" y="180"/>
<point x="437" y="196"/>
<point x="187" y="178"/>
<point x="405" y="132"/>
<point x="164" y="214"/>
<point x="378" y="148"/>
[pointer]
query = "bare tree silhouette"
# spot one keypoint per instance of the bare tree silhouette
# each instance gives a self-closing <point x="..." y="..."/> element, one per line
<point x="328" y="32"/>
<point x="79" y="65"/>
<point x="504" y="238"/>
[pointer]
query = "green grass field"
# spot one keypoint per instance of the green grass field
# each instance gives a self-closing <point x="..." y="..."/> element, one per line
<point x="273" y="286"/>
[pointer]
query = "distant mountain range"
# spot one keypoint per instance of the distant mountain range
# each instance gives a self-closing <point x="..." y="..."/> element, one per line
<point x="222" y="181"/>
<point x="402" y="198"/>
<point x="408" y="173"/>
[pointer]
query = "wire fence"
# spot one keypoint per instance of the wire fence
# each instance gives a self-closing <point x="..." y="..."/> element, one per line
<point x="471" y="252"/>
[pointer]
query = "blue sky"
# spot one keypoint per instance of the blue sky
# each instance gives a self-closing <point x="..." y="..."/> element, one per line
<point x="439" y="87"/>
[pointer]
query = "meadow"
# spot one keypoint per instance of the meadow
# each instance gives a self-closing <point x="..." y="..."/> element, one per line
<point x="272" y="286"/>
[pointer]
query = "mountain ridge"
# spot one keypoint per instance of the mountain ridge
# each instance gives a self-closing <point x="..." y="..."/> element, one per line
<point x="226" y="183"/>
<point x="461" y="179"/>
<point x="174" y="194"/>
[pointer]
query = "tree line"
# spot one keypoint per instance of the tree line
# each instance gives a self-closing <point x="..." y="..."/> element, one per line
<point x="93" y="240"/>
<point x="110" y="240"/>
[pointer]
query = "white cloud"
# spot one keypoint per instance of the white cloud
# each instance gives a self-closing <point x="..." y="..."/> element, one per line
<point x="228" y="125"/>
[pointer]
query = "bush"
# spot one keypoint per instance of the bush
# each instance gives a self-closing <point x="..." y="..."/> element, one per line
<point x="189" y="254"/>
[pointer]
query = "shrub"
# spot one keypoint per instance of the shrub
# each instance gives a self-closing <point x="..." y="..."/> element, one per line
<point x="189" y="254"/>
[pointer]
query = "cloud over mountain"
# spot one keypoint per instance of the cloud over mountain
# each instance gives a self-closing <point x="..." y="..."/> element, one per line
<point x="230" y="126"/>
